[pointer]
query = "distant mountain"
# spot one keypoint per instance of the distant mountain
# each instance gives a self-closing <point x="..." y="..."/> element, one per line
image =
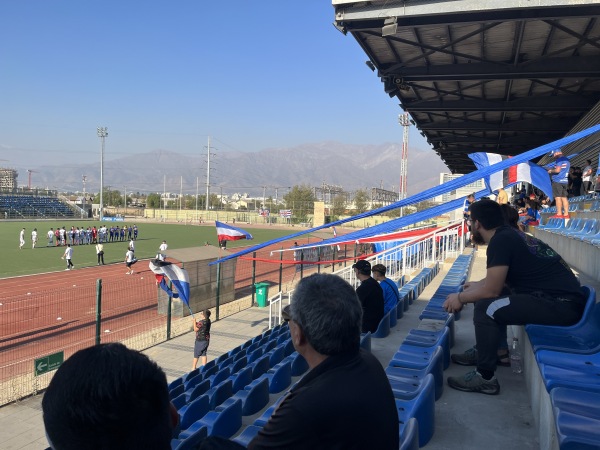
<point x="350" y="166"/>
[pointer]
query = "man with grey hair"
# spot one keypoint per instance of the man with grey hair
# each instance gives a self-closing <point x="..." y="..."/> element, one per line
<point x="345" y="401"/>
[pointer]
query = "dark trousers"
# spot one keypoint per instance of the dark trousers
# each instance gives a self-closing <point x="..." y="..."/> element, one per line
<point x="100" y="258"/>
<point x="517" y="309"/>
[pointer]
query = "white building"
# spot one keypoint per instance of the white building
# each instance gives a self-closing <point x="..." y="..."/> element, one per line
<point x="461" y="192"/>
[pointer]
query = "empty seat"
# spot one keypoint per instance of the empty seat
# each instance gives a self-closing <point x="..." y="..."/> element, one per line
<point x="280" y="377"/>
<point x="223" y="421"/>
<point x="422" y="407"/>
<point x="247" y="435"/>
<point x="192" y="440"/>
<point x="383" y="330"/>
<point x="194" y="411"/>
<point x="409" y="435"/>
<point x="254" y="397"/>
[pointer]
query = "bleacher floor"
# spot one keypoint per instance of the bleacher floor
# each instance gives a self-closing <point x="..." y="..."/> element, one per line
<point x="463" y="420"/>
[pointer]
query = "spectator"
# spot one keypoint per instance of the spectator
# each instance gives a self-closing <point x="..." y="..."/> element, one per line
<point x="345" y="400"/>
<point x="502" y="198"/>
<point x="202" y="329"/>
<point x="109" y="397"/>
<point x="391" y="296"/>
<point x="543" y="290"/>
<point x="587" y="177"/>
<point x="370" y="295"/>
<point x="560" y="174"/>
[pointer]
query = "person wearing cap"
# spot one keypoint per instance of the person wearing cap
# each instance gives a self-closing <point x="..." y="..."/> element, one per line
<point x="560" y="184"/>
<point x="526" y="282"/>
<point x="391" y="296"/>
<point x="370" y="295"/>
<point x="345" y="400"/>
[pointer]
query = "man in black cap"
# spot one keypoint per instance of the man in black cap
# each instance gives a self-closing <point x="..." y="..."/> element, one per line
<point x="370" y="295"/>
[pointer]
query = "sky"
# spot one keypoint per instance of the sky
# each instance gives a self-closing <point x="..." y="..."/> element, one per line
<point x="166" y="75"/>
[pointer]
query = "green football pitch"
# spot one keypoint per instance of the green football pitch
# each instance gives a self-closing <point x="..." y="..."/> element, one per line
<point x="15" y="262"/>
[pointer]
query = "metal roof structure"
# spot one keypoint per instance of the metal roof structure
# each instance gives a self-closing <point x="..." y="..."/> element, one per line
<point x="484" y="76"/>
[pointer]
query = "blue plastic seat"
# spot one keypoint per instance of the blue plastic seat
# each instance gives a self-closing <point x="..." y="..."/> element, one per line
<point x="179" y="401"/>
<point x="209" y="365"/>
<point x="223" y="422"/>
<point x="422" y="407"/>
<point x="299" y="364"/>
<point x="289" y="347"/>
<point x="576" y="432"/>
<point x="424" y="338"/>
<point x="220" y="393"/>
<point x="280" y="377"/>
<point x="176" y="382"/>
<point x="192" y="440"/>
<point x="241" y="379"/>
<point x="210" y="371"/>
<point x="194" y="411"/>
<point x="365" y="341"/>
<point x="260" y="366"/>
<point x="577" y="372"/>
<point x="195" y="392"/>
<point x="193" y="381"/>
<point x="583" y="337"/>
<point x="407" y="368"/>
<point x="409" y="436"/>
<point x="266" y="415"/>
<point x="176" y="391"/>
<point x="276" y="354"/>
<point x="220" y="376"/>
<point x="191" y="374"/>
<point x="254" y="397"/>
<point x="254" y="354"/>
<point x="393" y="313"/>
<point x="247" y="435"/>
<point x="239" y="364"/>
<point x="383" y="330"/>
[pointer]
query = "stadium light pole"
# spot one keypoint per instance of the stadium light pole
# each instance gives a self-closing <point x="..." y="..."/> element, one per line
<point x="102" y="133"/>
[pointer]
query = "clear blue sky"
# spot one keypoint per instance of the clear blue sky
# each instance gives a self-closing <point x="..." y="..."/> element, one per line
<point x="166" y="74"/>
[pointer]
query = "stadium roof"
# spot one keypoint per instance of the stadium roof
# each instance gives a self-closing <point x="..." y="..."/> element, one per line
<point x="490" y="76"/>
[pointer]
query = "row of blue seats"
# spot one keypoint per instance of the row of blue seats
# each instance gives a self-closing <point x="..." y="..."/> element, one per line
<point x="407" y="294"/>
<point x="569" y="362"/>
<point x="416" y="369"/>
<point x="212" y="400"/>
<point x="578" y="204"/>
<point x="33" y="205"/>
<point x="586" y="230"/>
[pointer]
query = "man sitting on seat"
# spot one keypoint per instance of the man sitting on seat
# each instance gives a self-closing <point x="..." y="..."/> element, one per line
<point x="345" y="401"/>
<point x="109" y="397"/>
<point x="370" y="295"/>
<point x="391" y="296"/>
<point x="543" y="290"/>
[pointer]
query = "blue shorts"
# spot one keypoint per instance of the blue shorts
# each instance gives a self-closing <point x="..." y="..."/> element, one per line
<point x="200" y="348"/>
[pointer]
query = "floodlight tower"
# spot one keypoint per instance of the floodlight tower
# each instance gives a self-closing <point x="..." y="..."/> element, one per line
<point x="102" y="133"/>
<point x="402" y="191"/>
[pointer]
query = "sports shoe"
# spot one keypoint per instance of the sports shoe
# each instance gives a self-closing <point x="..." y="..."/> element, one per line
<point x="474" y="382"/>
<point x="469" y="358"/>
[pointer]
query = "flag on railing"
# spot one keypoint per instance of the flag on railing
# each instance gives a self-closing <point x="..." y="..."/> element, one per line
<point x="525" y="172"/>
<point x="178" y="276"/>
<point x="228" y="233"/>
<point x="285" y="213"/>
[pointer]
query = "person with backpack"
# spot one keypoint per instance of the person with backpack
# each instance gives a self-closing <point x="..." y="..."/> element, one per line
<point x="391" y="296"/>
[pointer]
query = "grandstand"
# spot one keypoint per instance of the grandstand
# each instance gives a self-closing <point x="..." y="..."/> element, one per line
<point x="28" y="206"/>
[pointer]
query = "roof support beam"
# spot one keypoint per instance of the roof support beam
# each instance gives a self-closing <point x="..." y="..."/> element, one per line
<point x="532" y="104"/>
<point x="542" y="125"/>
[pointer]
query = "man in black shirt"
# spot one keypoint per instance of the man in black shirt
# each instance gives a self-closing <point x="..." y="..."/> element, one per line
<point x="542" y="290"/>
<point x="345" y="401"/>
<point x="370" y="295"/>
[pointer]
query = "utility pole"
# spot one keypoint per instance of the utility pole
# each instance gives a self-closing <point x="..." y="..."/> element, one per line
<point x="207" y="173"/>
<point x="102" y="134"/>
<point x="83" y="178"/>
<point x="402" y="187"/>
<point x="164" y="198"/>
<point x="197" y="181"/>
<point x="181" y="192"/>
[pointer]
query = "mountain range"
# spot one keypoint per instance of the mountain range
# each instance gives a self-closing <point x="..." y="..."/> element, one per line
<point x="351" y="167"/>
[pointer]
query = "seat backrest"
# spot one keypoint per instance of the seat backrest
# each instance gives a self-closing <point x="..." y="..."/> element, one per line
<point x="242" y="379"/>
<point x="221" y="393"/>
<point x="195" y="411"/>
<point x="229" y="421"/>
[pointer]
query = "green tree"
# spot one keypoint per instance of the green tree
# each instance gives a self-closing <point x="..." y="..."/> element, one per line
<point x="301" y="200"/>
<point x="338" y="205"/>
<point x="361" y="200"/>
<point x="153" y="201"/>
